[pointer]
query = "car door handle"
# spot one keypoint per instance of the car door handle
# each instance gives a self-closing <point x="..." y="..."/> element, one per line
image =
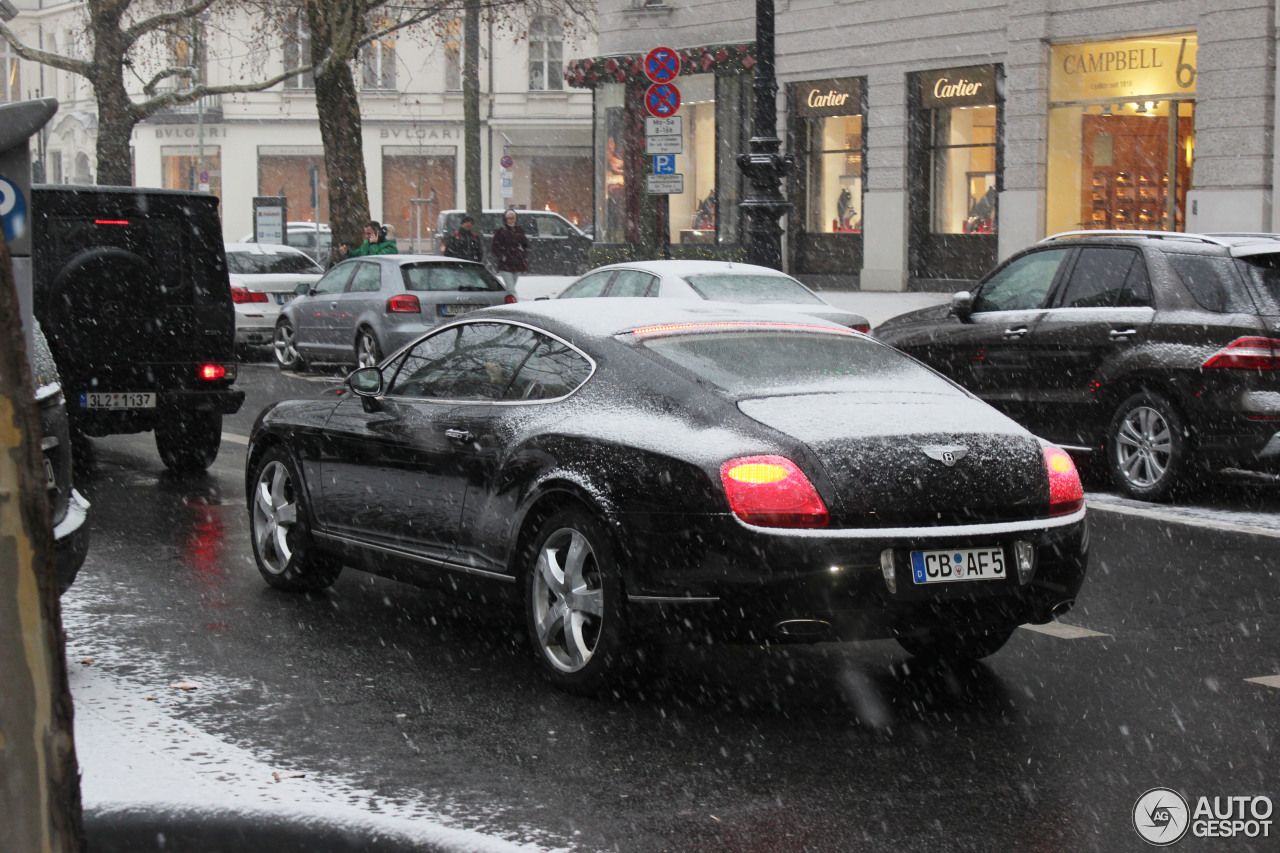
<point x="333" y="305"/>
<point x="460" y="436"/>
<point x="1015" y="333"/>
<point x="1121" y="334"/>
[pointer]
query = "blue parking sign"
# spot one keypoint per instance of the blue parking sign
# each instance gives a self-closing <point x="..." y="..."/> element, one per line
<point x="13" y="210"/>
<point x="664" y="164"/>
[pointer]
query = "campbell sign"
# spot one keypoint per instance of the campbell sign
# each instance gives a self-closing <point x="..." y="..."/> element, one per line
<point x="840" y="96"/>
<point x="959" y="87"/>
<point x="1133" y="69"/>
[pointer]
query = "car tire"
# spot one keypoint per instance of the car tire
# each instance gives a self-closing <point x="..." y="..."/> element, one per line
<point x="368" y="353"/>
<point x="284" y="346"/>
<point x="574" y="602"/>
<point x="1147" y="447"/>
<point x="189" y="441"/>
<point x="280" y="529"/>
<point x="957" y="646"/>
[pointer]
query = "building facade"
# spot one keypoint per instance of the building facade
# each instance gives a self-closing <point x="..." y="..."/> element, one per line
<point x="268" y="143"/>
<point x="932" y="139"/>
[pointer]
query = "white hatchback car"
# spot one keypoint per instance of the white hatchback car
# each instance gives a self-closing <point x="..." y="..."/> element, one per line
<point x="263" y="277"/>
<point x="716" y="281"/>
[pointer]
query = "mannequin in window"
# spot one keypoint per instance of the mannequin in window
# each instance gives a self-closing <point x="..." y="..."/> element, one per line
<point x="982" y="215"/>
<point x="704" y="218"/>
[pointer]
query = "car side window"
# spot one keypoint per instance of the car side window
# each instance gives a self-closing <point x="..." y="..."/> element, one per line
<point x="554" y="369"/>
<point x="552" y="226"/>
<point x="1021" y="285"/>
<point x="1214" y="282"/>
<point x="528" y="224"/>
<point x="473" y="361"/>
<point x="1137" y="287"/>
<point x="368" y="279"/>
<point x="632" y="283"/>
<point x="335" y="280"/>
<point x="592" y="285"/>
<point x="1099" y="277"/>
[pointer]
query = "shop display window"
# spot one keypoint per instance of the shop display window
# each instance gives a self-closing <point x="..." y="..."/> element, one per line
<point x="180" y="168"/>
<point x="835" y="175"/>
<point x="417" y="183"/>
<point x="610" y="163"/>
<point x="289" y="175"/>
<point x="962" y="155"/>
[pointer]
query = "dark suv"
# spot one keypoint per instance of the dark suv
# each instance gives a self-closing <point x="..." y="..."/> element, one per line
<point x="1158" y="349"/>
<point x="131" y="288"/>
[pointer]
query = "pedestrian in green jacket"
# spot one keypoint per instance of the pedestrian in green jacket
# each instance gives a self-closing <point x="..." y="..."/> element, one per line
<point x="376" y="242"/>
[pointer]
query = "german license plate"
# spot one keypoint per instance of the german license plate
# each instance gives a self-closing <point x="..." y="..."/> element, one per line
<point x="960" y="564"/>
<point x="458" y="310"/>
<point x="282" y="298"/>
<point x="117" y="399"/>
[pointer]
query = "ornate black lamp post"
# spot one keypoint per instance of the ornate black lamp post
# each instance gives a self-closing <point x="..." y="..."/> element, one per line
<point x="763" y="164"/>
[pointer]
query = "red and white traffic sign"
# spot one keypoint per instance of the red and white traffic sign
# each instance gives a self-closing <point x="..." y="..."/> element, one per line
<point x="662" y="100"/>
<point x="662" y="65"/>
<point x="507" y="161"/>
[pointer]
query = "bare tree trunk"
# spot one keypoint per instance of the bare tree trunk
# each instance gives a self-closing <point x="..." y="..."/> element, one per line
<point x="116" y="118"/>
<point x="338" y="103"/>
<point x="471" y="109"/>
<point x="39" y="780"/>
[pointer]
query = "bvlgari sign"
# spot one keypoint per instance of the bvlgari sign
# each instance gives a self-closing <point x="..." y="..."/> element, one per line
<point x="974" y="86"/>
<point x="837" y="97"/>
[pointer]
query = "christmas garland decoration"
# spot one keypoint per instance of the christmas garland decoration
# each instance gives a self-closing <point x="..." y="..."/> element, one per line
<point x="719" y="58"/>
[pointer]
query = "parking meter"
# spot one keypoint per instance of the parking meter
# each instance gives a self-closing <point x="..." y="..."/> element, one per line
<point x="18" y="123"/>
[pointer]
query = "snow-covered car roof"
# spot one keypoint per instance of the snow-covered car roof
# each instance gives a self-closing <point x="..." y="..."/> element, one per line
<point x="265" y="249"/>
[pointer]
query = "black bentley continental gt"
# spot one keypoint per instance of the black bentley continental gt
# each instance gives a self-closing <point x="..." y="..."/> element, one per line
<point x="626" y="469"/>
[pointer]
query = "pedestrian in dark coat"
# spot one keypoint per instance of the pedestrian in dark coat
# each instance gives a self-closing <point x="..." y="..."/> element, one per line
<point x="465" y="242"/>
<point x="511" y="248"/>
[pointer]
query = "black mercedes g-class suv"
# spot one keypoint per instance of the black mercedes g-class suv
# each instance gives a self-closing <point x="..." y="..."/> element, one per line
<point x="131" y="288"/>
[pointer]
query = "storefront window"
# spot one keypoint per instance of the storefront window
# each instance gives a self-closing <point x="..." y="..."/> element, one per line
<point x="1121" y="134"/>
<point x="693" y="212"/>
<point x="963" y="155"/>
<point x="181" y="167"/>
<point x="562" y="185"/>
<point x="288" y="172"/>
<point x="417" y="183"/>
<point x="835" y="175"/>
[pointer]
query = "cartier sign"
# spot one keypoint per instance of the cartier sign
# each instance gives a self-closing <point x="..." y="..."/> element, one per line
<point x="959" y="87"/>
<point x="836" y="97"/>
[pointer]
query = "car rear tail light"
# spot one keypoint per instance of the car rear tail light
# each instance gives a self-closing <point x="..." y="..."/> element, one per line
<point x="510" y="300"/>
<point x="403" y="303"/>
<point x="861" y="327"/>
<point x="1246" y="354"/>
<point x="771" y="491"/>
<point x="242" y="295"/>
<point x="214" y="372"/>
<point x="1066" y="495"/>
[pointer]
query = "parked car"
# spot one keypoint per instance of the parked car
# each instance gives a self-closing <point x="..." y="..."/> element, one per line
<point x="631" y="466"/>
<point x="68" y="510"/>
<point x="130" y="285"/>
<point x="556" y="245"/>
<point x="363" y="308"/>
<point x="718" y="281"/>
<point x="314" y="238"/>
<point x="1156" y="349"/>
<point x="263" y="277"/>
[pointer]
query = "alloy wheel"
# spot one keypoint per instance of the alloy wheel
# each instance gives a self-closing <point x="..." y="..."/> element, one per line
<point x="275" y="512"/>
<point x="1144" y="446"/>
<point x="285" y="347"/>
<point x="568" y="600"/>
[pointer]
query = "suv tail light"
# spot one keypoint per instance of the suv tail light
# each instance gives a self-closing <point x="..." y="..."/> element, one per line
<point x="510" y="300"/>
<point x="214" y="372"/>
<point x="241" y="295"/>
<point x="1246" y="354"/>
<point x="772" y="492"/>
<point x="1066" y="495"/>
<point x="403" y="303"/>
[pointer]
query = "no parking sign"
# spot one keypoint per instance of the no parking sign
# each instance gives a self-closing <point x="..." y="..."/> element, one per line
<point x="13" y="210"/>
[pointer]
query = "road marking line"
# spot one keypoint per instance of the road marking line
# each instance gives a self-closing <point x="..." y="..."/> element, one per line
<point x="235" y="439"/>
<point x="1165" y="515"/>
<point x="1063" y="631"/>
<point x="1266" y="680"/>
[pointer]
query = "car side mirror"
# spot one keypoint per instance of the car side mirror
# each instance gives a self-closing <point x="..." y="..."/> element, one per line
<point x="962" y="305"/>
<point x="302" y="289"/>
<point x="366" y="382"/>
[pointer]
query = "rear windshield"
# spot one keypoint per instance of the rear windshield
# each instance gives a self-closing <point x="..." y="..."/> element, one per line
<point x="250" y="263"/>
<point x="1263" y="272"/>
<point x="1213" y="281"/>
<point x="760" y="363"/>
<point x="435" y="278"/>
<point x="751" y="289"/>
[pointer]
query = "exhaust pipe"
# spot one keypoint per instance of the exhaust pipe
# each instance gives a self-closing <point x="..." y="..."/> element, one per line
<point x="1053" y="611"/>
<point x="804" y="630"/>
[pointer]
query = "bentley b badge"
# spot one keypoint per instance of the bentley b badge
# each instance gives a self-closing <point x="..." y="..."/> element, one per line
<point x="948" y="454"/>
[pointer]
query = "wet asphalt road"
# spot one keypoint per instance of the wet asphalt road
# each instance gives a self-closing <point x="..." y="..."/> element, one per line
<point x="418" y="698"/>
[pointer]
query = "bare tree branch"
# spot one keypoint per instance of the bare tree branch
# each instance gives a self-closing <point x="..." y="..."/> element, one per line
<point x="184" y="71"/>
<point x="164" y="19"/>
<point x="189" y="96"/>
<point x="44" y="57"/>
